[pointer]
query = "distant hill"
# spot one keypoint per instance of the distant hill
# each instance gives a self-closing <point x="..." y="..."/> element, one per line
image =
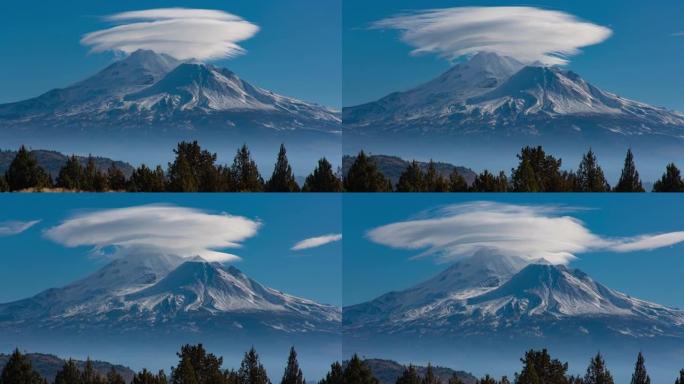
<point x="393" y="166"/>
<point x="49" y="365"/>
<point x="387" y="371"/>
<point x="53" y="161"/>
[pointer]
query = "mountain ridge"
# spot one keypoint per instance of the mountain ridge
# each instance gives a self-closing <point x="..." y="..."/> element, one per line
<point x="138" y="107"/>
<point x="513" y="301"/>
<point x="146" y="88"/>
<point x="393" y="166"/>
<point x="53" y="161"/>
<point x="48" y="366"/>
<point x="136" y="293"/>
<point x="486" y="118"/>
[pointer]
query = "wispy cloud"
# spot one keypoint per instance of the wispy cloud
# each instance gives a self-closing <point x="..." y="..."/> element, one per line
<point x="529" y="232"/>
<point x="13" y="227"/>
<point x="526" y="33"/>
<point x="183" y="33"/>
<point x="160" y="229"/>
<point x="317" y="241"/>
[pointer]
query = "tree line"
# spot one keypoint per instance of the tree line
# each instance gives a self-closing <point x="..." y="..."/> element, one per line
<point x="195" y="366"/>
<point x="196" y="170"/>
<point x="193" y="169"/>
<point x="538" y="367"/>
<point x="536" y="171"/>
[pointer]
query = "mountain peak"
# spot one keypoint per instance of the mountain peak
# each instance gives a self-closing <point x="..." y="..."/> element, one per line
<point x="147" y="56"/>
<point x="494" y="61"/>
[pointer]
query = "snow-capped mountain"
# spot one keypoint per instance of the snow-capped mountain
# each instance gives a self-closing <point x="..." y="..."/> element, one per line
<point x="490" y="106"/>
<point x="146" y="89"/>
<point x="98" y="92"/>
<point x="153" y="294"/>
<point x="484" y="72"/>
<point x="138" y="108"/>
<point x="502" y="297"/>
<point x="498" y="95"/>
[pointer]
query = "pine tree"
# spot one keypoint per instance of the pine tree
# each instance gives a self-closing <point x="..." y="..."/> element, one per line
<point x="537" y="172"/>
<point x="18" y="370"/>
<point x="336" y="375"/>
<point x="671" y="180"/>
<point x="457" y="183"/>
<point x="504" y="380"/>
<point x="539" y="368"/>
<point x="487" y="182"/>
<point x="3" y="184"/>
<point x="147" y="377"/>
<point x="409" y="376"/>
<point x="358" y="372"/>
<point x="89" y="375"/>
<point x="193" y="169"/>
<point x="501" y="182"/>
<point x="232" y="377"/>
<point x="589" y="175"/>
<point x="93" y="180"/>
<point x="525" y="179"/>
<point x="629" y="179"/>
<point x="528" y="375"/>
<point x="116" y="180"/>
<point x="71" y="174"/>
<point x="251" y="371"/>
<point x="434" y="182"/>
<point x="69" y="374"/>
<point x="181" y="176"/>
<point x="322" y="179"/>
<point x="226" y="179"/>
<point x="364" y="176"/>
<point x="454" y="379"/>
<point x="411" y="180"/>
<point x="143" y="179"/>
<point x="680" y="379"/>
<point x="245" y="173"/>
<point x="292" y="375"/>
<point x="487" y="380"/>
<point x="24" y="172"/>
<point x="184" y="373"/>
<point x="597" y="373"/>
<point x="430" y="377"/>
<point x="113" y="377"/>
<point x="282" y="179"/>
<point x="640" y="376"/>
<point x="197" y="366"/>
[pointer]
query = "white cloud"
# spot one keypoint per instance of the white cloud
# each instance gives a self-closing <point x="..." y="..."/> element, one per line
<point x="13" y="227"/>
<point x="530" y="232"/>
<point x="526" y="33"/>
<point x="317" y="241"/>
<point x="201" y="34"/>
<point x="169" y="230"/>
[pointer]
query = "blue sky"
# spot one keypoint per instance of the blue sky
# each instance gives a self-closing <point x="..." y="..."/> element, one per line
<point x="296" y="53"/>
<point x="642" y="60"/>
<point x="372" y="269"/>
<point x="30" y="263"/>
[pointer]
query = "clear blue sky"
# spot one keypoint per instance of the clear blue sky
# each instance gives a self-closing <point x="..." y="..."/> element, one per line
<point x="297" y="52"/>
<point x="642" y="60"/>
<point x="29" y="263"/>
<point x="371" y="269"/>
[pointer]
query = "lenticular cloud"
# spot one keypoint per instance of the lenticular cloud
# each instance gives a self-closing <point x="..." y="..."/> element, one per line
<point x="528" y="232"/>
<point x="168" y="230"/>
<point x="526" y="33"/>
<point x="200" y="34"/>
